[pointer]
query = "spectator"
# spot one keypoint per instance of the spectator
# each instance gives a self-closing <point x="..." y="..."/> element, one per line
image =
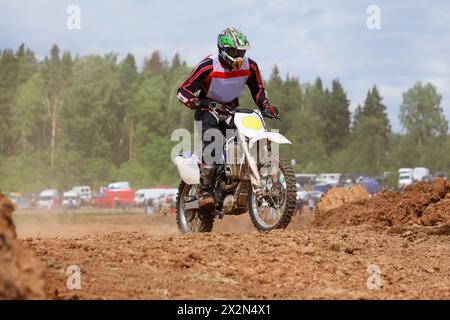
<point x="71" y="204"/>
<point x="311" y="203"/>
<point x="149" y="206"/>
<point x="165" y="205"/>
<point x="173" y="205"/>
<point x="299" y="206"/>
<point x="157" y="204"/>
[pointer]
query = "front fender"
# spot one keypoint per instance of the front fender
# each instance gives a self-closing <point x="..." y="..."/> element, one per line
<point x="272" y="136"/>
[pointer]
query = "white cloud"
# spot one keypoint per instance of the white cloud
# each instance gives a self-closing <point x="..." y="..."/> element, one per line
<point x="442" y="83"/>
<point x="391" y="92"/>
<point x="437" y="67"/>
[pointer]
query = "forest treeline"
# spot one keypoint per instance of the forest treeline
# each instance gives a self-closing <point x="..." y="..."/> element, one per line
<point x="70" y="120"/>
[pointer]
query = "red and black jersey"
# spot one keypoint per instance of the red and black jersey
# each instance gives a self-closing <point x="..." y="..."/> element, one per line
<point x="200" y="80"/>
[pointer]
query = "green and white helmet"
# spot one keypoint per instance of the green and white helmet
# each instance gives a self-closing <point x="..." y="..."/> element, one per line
<point x="232" y="45"/>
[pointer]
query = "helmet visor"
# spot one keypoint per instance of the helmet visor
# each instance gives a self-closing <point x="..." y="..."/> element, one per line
<point x="235" y="53"/>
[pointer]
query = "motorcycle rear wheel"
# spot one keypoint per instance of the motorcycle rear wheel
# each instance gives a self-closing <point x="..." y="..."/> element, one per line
<point x="193" y="220"/>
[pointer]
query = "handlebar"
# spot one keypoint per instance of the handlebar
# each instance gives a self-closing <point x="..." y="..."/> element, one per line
<point x="217" y="106"/>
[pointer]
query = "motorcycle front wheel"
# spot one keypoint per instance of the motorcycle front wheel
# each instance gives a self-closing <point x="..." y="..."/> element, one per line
<point x="191" y="220"/>
<point x="275" y="207"/>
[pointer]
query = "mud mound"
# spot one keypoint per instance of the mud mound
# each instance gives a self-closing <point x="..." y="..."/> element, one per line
<point x="339" y="196"/>
<point x="421" y="204"/>
<point x="21" y="275"/>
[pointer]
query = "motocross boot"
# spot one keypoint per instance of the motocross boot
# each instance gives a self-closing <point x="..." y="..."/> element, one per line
<point x="205" y="199"/>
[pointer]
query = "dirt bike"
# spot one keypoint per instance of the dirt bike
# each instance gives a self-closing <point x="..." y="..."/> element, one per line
<point x="251" y="179"/>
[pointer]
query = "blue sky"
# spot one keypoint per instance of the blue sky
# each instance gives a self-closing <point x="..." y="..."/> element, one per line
<point x="304" y="38"/>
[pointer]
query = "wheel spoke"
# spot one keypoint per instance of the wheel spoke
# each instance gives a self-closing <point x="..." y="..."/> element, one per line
<point x="191" y="220"/>
<point x="270" y="211"/>
<point x="265" y="210"/>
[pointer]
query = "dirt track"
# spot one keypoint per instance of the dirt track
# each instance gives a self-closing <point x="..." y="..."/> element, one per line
<point x="336" y="253"/>
<point x="301" y="262"/>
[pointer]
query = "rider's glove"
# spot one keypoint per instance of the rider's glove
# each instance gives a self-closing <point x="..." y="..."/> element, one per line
<point x="271" y="109"/>
<point x="193" y="103"/>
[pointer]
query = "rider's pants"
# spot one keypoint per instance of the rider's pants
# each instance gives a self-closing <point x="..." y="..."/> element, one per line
<point x="211" y="133"/>
<point x="210" y="124"/>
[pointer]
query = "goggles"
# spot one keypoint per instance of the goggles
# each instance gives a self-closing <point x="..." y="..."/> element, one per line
<point x="235" y="53"/>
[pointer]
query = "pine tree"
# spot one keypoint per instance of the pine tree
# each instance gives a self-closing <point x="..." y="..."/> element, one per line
<point x="373" y="107"/>
<point x="356" y="116"/>
<point x="318" y="85"/>
<point x="291" y="97"/>
<point x="314" y="97"/>
<point x="371" y="127"/>
<point x="21" y="51"/>
<point x="334" y="113"/>
<point x="275" y="88"/>
<point x="153" y="65"/>
<point x="66" y="66"/>
<point x="176" y="61"/>
<point x="275" y="78"/>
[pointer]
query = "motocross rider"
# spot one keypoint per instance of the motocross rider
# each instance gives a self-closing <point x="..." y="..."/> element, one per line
<point x="222" y="77"/>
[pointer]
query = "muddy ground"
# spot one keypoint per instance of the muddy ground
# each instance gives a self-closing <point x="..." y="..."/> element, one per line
<point x="21" y="273"/>
<point x="390" y="246"/>
<point x="133" y="256"/>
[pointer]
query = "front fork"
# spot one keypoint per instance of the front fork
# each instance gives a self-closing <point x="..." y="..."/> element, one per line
<point x="255" y="178"/>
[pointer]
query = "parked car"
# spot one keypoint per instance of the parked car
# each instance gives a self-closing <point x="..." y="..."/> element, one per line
<point x="349" y="179"/>
<point x="305" y="179"/>
<point x="143" y="195"/>
<point x="329" y="178"/>
<point x="323" y="187"/>
<point x="49" y="198"/>
<point x="71" y="200"/>
<point x="420" y="173"/>
<point x="100" y="201"/>
<point x="114" y="198"/>
<point x="85" y="193"/>
<point x="371" y="184"/>
<point x="23" y="203"/>
<point x="305" y="196"/>
<point x="316" y="195"/>
<point x="302" y="195"/>
<point x="405" y="177"/>
<point x="119" y="185"/>
<point x="20" y="201"/>
<point x="408" y="176"/>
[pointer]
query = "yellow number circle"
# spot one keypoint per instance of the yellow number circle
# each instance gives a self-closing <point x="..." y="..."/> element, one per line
<point x="252" y="123"/>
